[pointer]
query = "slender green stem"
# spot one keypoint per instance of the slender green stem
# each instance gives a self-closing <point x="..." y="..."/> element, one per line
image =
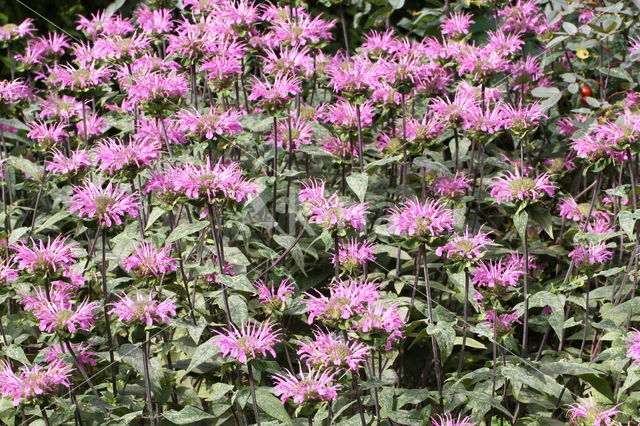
<point x="254" y="400"/>
<point x="107" y="319"/>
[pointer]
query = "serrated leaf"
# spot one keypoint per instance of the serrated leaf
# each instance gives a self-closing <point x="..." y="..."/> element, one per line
<point x="445" y="336"/>
<point x="358" y="183"/>
<point x="186" y="416"/>
<point x="556" y="303"/>
<point x="286" y="241"/>
<point x="272" y="406"/>
<point x="185" y="229"/>
<point x="203" y="353"/>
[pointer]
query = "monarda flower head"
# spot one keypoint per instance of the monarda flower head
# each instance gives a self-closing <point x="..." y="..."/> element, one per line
<point x="300" y="133"/>
<point x="306" y="388"/>
<point x="247" y="342"/>
<point x="45" y="258"/>
<point x="457" y="25"/>
<point x="214" y="182"/>
<point x="591" y="255"/>
<point x="85" y="78"/>
<point x="450" y="187"/>
<point x="143" y="309"/>
<point x="113" y="155"/>
<point x="493" y="278"/>
<point x="158" y="92"/>
<point x="274" y="95"/>
<point x="510" y="187"/>
<point x="426" y="219"/>
<point x="60" y="164"/>
<point x="633" y="350"/>
<point x="107" y="206"/>
<point x="210" y="125"/>
<point x="149" y="261"/>
<point x="47" y="135"/>
<point x="381" y="320"/>
<point x="13" y="32"/>
<point x="58" y="312"/>
<point x="352" y="254"/>
<point x="465" y="247"/>
<point x="328" y="350"/>
<point x="330" y="212"/>
<point x="54" y="354"/>
<point x="503" y="323"/>
<point x="274" y="300"/>
<point x="449" y="420"/>
<point x="346" y="301"/>
<point x="587" y="412"/>
<point x="28" y="384"/>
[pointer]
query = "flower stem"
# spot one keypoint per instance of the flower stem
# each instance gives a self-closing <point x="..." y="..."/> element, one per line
<point x="434" y="343"/>
<point x="336" y="262"/>
<point x="86" y="377"/>
<point x="252" y="386"/>
<point x="360" y="148"/>
<point x="275" y="169"/>
<point x="107" y="319"/>
<point x="147" y="378"/>
<point x="213" y="220"/>
<point x="465" y="316"/>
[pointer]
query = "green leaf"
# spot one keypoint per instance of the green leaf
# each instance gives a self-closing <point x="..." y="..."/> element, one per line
<point x="58" y="216"/>
<point x="132" y="355"/>
<point x="600" y="384"/>
<point x="556" y="303"/>
<point x="15" y="352"/>
<point x="185" y="229"/>
<point x="153" y="216"/>
<point x="238" y="307"/>
<point x="545" y="92"/>
<point x="627" y="221"/>
<point x="520" y="221"/>
<point x="569" y="28"/>
<point x="237" y="282"/>
<point x="186" y="416"/>
<point x="286" y="241"/>
<point x="396" y="4"/>
<point x="445" y="336"/>
<point x="272" y="406"/>
<point x="542" y="217"/>
<point x="16" y="234"/>
<point x="203" y="353"/>
<point x="358" y="183"/>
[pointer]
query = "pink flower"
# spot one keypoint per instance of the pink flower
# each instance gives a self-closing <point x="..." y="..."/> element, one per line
<point x="518" y="186"/>
<point x="144" y="309"/>
<point x="451" y="187"/>
<point x="520" y="118"/>
<point x="593" y="254"/>
<point x="633" y="350"/>
<point x="503" y="323"/>
<point x="54" y="354"/>
<point x="63" y="165"/>
<point x="306" y="388"/>
<point x="245" y="343"/>
<point x="587" y="411"/>
<point x="154" y="22"/>
<point x="62" y="108"/>
<point x="380" y="317"/>
<point x="47" y="134"/>
<point x="449" y="420"/>
<point x="301" y="31"/>
<point x="343" y="149"/>
<point x="328" y="350"/>
<point x="457" y="24"/>
<point x="7" y="273"/>
<point x="158" y="87"/>
<point x="379" y="44"/>
<point x="498" y="274"/>
<point x="346" y="300"/>
<point x="270" y="296"/>
<point x="211" y="125"/>
<point x="288" y="60"/>
<point x="273" y="95"/>
<point x="120" y="48"/>
<point x="113" y="154"/>
<point x="101" y="23"/>
<point x="331" y="212"/>
<point x="147" y="260"/>
<point x="354" y="76"/>
<point x="15" y="32"/>
<point x="354" y="253"/>
<point x="342" y="114"/>
<point x="54" y="256"/>
<point x="415" y="219"/>
<point x="465" y="247"/>
<point x="59" y="312"/>
<point x="301" y="133"/>
<point x="78" y="79"/>
<point x="222" y="69"/>
<point x="106" y="205"/>
<point x="13" y="91"/>
<point x="96" y="125"/>
<point x="30" y="383"/>
<point x="220" y="182"/>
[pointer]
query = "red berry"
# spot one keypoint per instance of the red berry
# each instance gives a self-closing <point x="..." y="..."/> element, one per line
<point x="584" y="101"/>
<point x="585" y="91"/>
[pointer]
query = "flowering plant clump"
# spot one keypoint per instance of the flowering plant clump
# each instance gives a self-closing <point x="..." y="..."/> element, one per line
<point x="320" y="212"/>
